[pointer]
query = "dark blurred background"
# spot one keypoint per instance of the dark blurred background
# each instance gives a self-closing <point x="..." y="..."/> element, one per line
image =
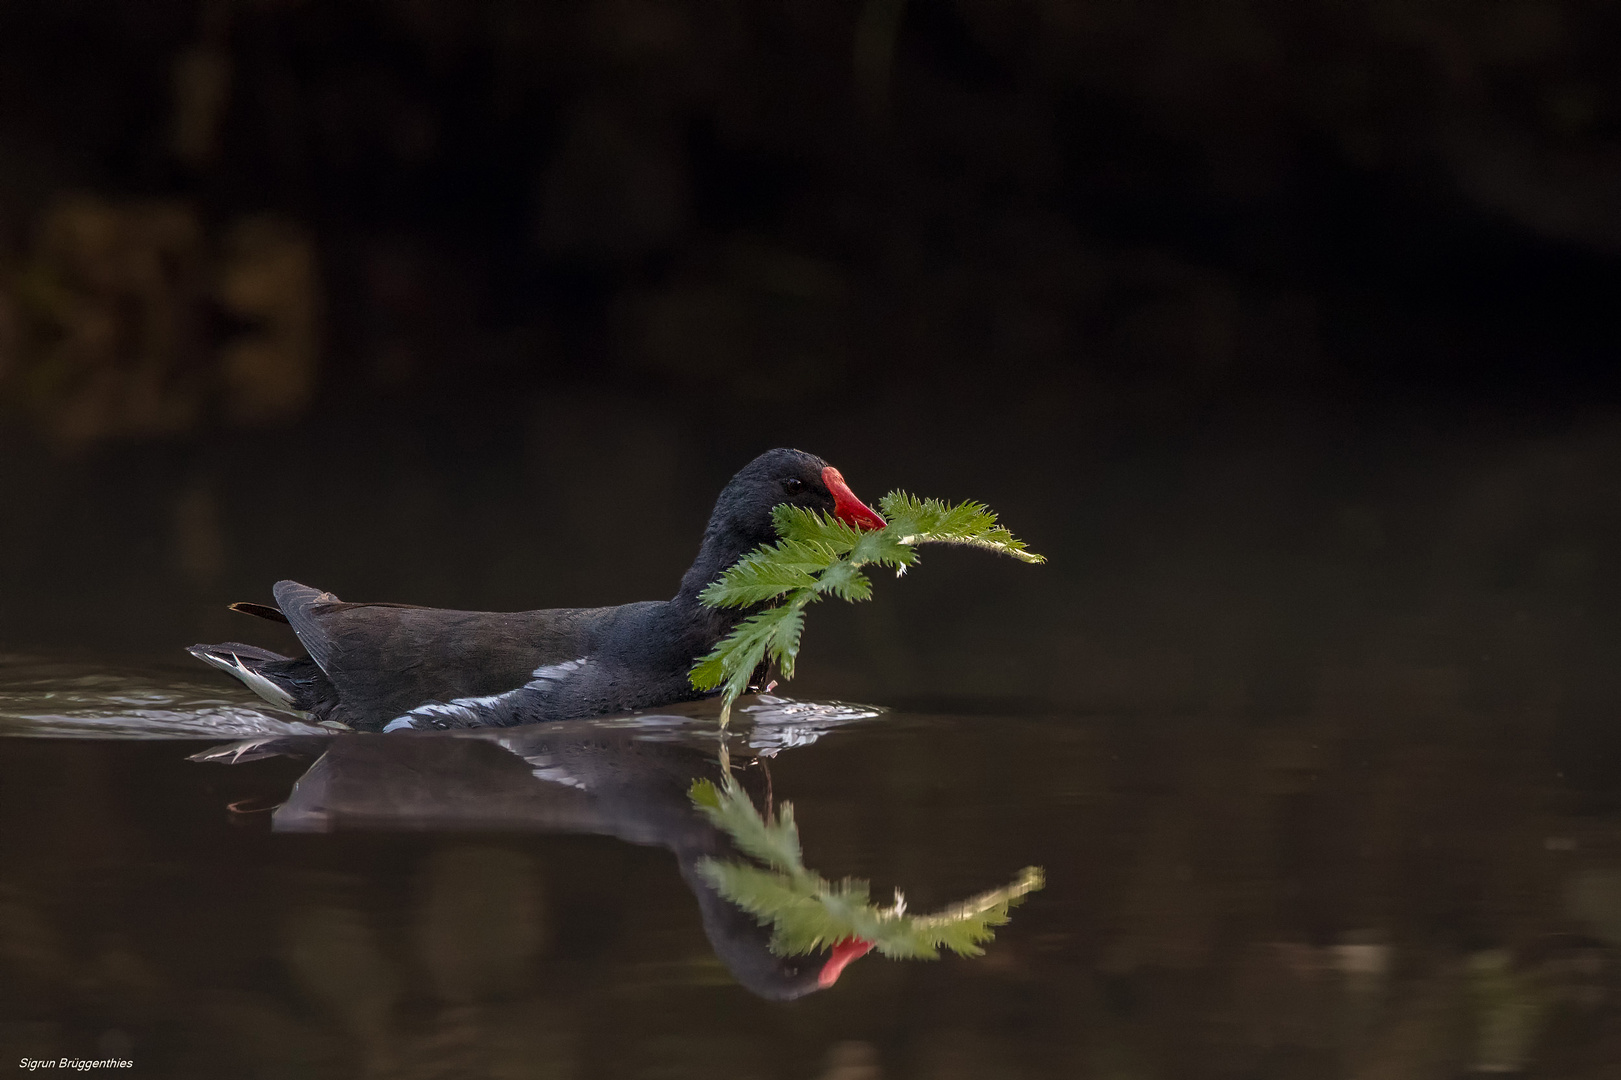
<point x="1284" y="328"/>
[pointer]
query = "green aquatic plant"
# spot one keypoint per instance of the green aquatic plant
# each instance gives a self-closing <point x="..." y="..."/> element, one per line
<point x="818" y="556"/>
<point x="807" y="913"/>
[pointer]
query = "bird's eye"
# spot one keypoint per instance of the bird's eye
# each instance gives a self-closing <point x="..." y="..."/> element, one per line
<point x="793" y="486"/>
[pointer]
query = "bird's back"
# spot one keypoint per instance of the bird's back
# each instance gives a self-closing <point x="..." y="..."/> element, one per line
<point x="386" y="659"/>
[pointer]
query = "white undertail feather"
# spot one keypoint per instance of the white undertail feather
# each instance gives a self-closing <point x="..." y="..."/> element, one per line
<point x="231" y="664"/>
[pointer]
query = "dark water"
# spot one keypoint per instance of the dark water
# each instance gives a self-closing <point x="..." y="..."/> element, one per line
<point x="1393" y="897"/>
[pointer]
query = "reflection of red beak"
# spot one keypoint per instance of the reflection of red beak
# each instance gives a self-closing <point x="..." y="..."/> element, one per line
<point x="846" y="951"/>
<point x="846" y="507"/>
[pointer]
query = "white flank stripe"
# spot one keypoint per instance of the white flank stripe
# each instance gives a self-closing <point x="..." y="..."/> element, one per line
<point x="468" y="708"/>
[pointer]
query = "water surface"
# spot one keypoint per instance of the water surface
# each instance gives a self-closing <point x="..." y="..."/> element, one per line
<point x="1225" y="897"/>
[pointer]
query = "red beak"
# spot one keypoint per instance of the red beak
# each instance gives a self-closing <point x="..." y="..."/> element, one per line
<point x="844" y="953"/>
<point x="846" y="507"/>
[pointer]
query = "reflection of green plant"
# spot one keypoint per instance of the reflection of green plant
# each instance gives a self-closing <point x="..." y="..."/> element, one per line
<point x="808" y="913"/>
<point x="818" y="555"/>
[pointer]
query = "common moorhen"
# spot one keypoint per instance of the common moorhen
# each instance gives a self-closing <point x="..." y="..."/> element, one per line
<point x="375" y="666"/>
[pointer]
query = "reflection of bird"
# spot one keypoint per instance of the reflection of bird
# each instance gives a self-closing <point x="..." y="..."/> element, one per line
<point x="547" y="779"/>
<point x="370" y="664"/>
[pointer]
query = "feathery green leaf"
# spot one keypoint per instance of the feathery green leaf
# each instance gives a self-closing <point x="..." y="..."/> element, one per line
<point x="930" y="521"/>
<point x="807" y="913"/>
<point x="784" y="643"/>
<point x="756" y="584"/>
<point x="773" y="842"/>
<point x="843" y="580"/>
<point x="808" y="526"/>
<point x="964" y="927"/>
<point x="819" y="555"/>
<point x="733" y="662"/>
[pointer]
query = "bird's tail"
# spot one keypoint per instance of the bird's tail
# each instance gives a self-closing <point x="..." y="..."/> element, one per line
<point x="283" y="681"/>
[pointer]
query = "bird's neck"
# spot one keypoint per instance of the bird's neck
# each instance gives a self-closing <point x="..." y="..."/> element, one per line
<point x="722" y="547"/>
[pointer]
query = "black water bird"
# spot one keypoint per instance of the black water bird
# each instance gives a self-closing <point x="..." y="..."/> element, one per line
<point x="374" y="666"/>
